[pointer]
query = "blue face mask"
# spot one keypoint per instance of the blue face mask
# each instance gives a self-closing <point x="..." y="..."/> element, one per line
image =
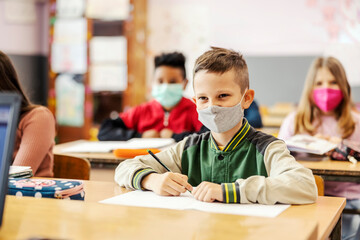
<point x="168" y="95"/>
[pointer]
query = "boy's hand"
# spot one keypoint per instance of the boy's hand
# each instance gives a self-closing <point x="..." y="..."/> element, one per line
<point x="166" y="133"/>
<point x="150" y="134"/>
<point x="166" y="184"/>
<point x="208" y="192"/>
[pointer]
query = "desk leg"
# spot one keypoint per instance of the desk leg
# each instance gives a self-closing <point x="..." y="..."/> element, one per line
<point x="336" y="232"/>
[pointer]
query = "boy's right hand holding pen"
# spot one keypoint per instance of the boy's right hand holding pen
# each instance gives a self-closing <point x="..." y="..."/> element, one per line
<point x="166" y="184"/>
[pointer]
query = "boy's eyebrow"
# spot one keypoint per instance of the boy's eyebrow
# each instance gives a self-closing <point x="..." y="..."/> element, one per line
<point x="217" y="91"/>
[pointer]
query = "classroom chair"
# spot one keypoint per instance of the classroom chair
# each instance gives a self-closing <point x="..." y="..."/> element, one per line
<point x="319" y="184"/>
<point x="71" y="167"/>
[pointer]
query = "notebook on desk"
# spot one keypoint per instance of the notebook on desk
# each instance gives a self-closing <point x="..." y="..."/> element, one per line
<point x="9" y="113"/>
<point x="109" y="146"/>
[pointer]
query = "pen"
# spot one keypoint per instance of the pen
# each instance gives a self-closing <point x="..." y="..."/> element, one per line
<point x="158" y="160"/>
<point x="161" y="163"/>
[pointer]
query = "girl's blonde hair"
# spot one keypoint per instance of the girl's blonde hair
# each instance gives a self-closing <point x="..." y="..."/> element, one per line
<point x="308" y="112"/>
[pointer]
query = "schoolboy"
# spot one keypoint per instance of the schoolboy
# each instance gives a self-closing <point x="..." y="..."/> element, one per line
<point x="168" y="115"/>
<point x="233" y="163"/>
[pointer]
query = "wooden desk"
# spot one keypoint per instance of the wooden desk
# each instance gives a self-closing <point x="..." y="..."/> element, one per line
<point x="55" y="219"/>
<point x="326" y="212"/>
<point x="92" y="157"/>
<point x="334" y="170"/>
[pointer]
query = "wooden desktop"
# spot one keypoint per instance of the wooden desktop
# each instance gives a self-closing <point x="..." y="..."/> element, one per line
<point x="27" y="218"/>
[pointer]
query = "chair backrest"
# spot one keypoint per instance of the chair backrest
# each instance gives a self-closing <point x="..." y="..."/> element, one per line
<point x="71" y="167"/>
<point x="320" y="185"/>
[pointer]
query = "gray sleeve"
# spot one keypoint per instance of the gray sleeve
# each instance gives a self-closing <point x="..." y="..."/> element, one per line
<point x="130" y="172"/>
<point x="288" y="181"/>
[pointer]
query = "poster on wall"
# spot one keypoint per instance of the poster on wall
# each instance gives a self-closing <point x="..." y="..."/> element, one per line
<point x="19" y="11"/>
<point x="68" y="58"/>
<point x="108" y="50"/>
<point x="70" y="95"/>
<point x="70" y="8"/>
<point x="108" y="9"/>
<point x="108" y="77"/>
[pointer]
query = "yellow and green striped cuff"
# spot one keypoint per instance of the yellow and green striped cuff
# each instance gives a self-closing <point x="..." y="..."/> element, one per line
<point x="231" y="192"/>
<point x="138" y="177"/>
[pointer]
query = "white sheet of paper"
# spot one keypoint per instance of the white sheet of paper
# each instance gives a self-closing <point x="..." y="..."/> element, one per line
<point x="108" y="146"/>
<point x="68" y="30"/>
<point x="70" y="8"/>
<point x="108" y="9"/>
<point x="70" y="97"/>
<point x="188" y="202"/>
<point x="108" y="77"/>
<point x="108" y="50"/>
<point x="18" y="169"/>
<point x="69" y="58"/>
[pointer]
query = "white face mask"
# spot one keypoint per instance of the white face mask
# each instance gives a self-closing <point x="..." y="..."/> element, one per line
<point x="221" y="119"/>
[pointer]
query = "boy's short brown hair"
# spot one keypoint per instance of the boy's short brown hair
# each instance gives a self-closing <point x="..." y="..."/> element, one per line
<point x="221" y="60"/>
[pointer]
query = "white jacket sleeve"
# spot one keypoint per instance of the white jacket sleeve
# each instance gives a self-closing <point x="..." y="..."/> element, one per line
<point x="130" y="172"/>
<point x="287" y="182"/>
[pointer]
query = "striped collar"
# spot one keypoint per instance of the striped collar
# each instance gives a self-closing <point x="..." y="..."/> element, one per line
<point x="234" y="142"/>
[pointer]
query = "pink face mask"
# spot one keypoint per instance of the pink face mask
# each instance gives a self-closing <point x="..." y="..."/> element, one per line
<point x="327" y="99"/>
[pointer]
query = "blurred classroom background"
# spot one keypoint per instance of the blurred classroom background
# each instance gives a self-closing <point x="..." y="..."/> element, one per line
<point x="87" y="59"/>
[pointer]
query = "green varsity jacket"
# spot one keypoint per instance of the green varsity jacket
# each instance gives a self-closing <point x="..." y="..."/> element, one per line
<point x="252" y="167"/>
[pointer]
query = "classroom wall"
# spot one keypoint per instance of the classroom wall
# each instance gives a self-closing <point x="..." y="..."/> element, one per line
<point x="25" y="41"/>
<point x="279" y="43"/>
<point x="281" y="78"/>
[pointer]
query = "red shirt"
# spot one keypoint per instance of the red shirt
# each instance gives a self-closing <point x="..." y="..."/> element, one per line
<point x="151" y="115"/>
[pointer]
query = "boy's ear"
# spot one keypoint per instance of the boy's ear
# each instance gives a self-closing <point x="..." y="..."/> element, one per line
<point x="185" y="83"/>
<point x="194" y="99"/>
<point x="248" y="98"/>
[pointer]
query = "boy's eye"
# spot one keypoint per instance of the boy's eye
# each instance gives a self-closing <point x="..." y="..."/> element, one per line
<point x="224" y="95"/>
<point x="172" y="81"/>
<point x="202" y="98"/>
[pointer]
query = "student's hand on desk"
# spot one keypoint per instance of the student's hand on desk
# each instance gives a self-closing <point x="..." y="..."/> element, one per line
<point x="166" y="133"/>
<point x="208" y="192"/>
<point x="150" y="134"/>
<point x="166" y="184"/>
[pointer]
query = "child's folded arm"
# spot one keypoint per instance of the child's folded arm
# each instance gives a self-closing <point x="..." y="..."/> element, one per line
<point x="179" y="136"/>
<point x="116" y="130"/>
<point x="130" y="172"/>
<point x="287" y="182"/>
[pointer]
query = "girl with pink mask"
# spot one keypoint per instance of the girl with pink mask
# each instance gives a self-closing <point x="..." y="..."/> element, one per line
<point x="326" y="110"/>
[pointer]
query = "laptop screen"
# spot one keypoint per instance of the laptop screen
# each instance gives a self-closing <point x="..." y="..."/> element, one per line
<point x="4" y="117"/>
<point x="9" y="112"/>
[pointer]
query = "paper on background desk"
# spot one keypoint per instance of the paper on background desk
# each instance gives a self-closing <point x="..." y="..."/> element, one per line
<point x="309" y="144"/>
<point x="188" y="202"/>
<point x="108" y="146"/>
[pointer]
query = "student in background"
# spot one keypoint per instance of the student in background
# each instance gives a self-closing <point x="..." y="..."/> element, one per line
<point x="36" y="129"/>
<point x="252" y="114"/>
<point x="168" y="115"/>
<point x="233" y="162"/>
<point x="325" y="110"/>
